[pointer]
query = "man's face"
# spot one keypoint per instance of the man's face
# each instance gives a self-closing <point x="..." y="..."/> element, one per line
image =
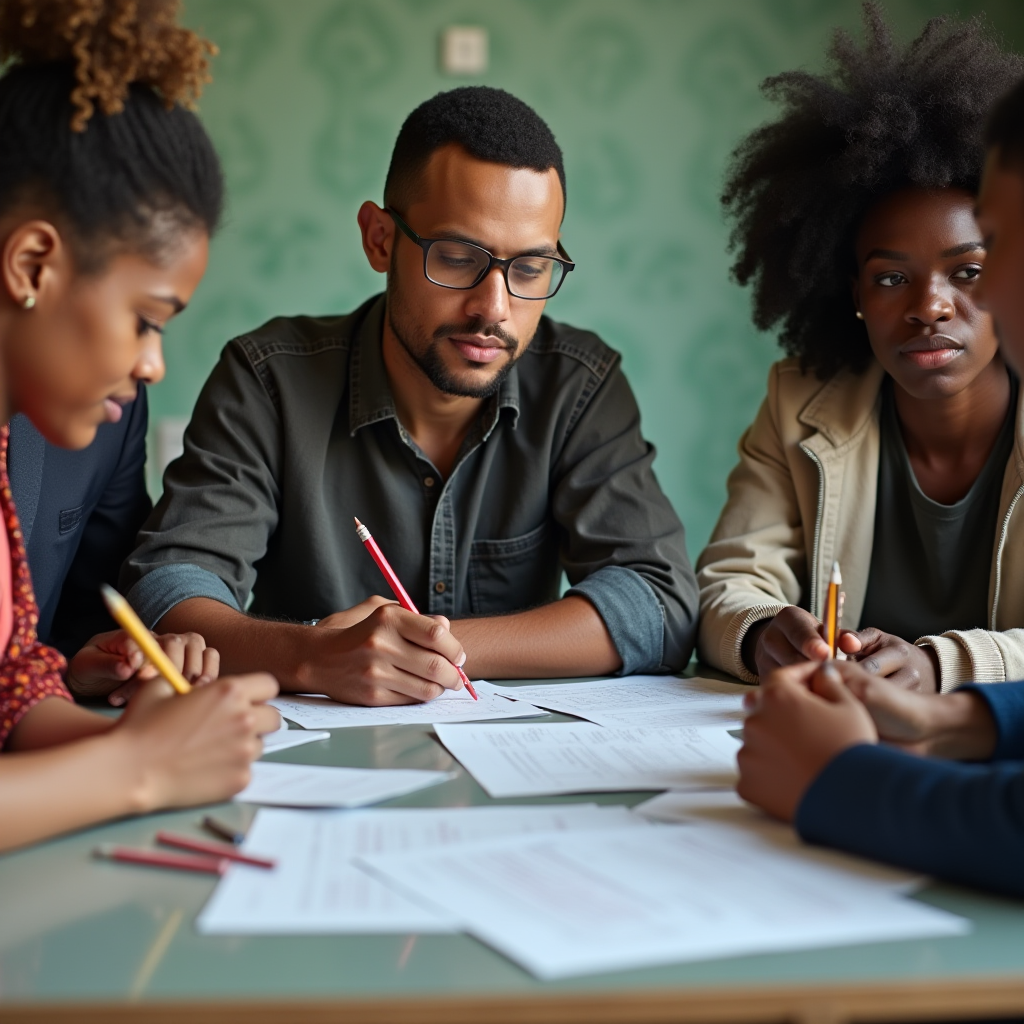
<point x="465" y="342"/>
<point x="1000" y="216"/>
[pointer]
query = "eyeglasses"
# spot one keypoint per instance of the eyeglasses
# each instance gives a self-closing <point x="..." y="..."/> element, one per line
<point x="463" y="265"/>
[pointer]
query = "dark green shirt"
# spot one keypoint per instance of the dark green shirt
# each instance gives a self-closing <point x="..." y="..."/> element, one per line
<point x="295" y="433"/>
<point x="930" y="563"/>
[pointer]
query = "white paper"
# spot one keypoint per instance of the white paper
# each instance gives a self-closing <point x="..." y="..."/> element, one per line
<point x="317" y="889"/>
<point x="313" y="712"/>
<point x="285" y="738"/>
<point x="311" y="785"/>
<point x="647" y="701"/>
<point x="725" y="809"/>
<point x="543" y="760"/>
<point x="604" y="901"/>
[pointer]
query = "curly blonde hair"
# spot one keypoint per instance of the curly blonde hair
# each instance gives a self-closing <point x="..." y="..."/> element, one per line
<point x="112" y="44"/>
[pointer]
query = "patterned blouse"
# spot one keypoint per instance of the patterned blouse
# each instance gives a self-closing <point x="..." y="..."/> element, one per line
<point x="29" y="671"/>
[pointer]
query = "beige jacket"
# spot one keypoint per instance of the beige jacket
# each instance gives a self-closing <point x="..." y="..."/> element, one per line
<point x="803" y="496"/>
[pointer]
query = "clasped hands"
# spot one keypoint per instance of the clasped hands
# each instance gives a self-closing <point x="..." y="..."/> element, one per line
<point x="804" y="715"/>
<point x="794" y="635"/>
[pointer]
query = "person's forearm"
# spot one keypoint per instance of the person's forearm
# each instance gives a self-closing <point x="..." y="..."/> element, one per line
<point x="53" y="722"/>
<point x="246" y="644"/>
<point x="565" y="638"/>
<point x="53" y="789"/>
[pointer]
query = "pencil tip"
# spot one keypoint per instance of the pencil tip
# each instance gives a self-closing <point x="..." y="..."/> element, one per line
<point x="837" y="576"/>
<point x="358" y="524"/>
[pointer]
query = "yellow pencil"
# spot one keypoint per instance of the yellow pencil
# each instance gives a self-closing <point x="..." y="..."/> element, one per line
<point x="132" y="625"/>
<point x="833" y="609"/>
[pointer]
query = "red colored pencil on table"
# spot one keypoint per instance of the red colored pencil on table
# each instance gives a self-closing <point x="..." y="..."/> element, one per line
<point x="396" y="585"/>
<point x="161" y="859"/>
<point x="204" y="846"/>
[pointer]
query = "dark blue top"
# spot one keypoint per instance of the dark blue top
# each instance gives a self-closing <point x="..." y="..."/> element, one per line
<point x="960" y="822"/>
<point x="79" y="512"/>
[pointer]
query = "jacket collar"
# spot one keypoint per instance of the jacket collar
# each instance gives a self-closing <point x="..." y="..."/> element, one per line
<point x="370" y="398"/>
<point x="842" y="408"/>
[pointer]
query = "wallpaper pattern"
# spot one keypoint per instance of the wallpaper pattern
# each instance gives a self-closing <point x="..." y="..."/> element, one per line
<point x="646" y="97"/>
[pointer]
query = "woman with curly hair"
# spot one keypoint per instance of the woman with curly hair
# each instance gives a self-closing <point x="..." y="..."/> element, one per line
<point x="109" y="192"/>
<point x="891" y="440"/>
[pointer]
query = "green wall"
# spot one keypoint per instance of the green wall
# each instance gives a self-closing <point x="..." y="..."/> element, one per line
<point x="646" y="97"/>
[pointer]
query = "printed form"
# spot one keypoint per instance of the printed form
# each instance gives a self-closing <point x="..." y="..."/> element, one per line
<point x="648" y="701"/>
<point x="608" y="901"/>
<point x="316" y="887"/>
<point x="545" y="760"/>
<point x="313" y="712"/>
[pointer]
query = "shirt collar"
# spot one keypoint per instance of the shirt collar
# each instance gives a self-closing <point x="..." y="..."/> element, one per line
<point x="370" y="398"/>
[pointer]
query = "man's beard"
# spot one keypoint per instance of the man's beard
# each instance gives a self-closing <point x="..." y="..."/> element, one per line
<point x="426" y="352"/>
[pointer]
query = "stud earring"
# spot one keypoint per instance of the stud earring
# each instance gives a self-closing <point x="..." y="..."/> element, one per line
<point x="859" y="315"/>
<point x="28" y="302"/>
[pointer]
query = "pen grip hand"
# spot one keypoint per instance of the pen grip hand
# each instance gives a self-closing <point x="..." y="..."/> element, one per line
<point x="195" y="748"/>
<point x="792" y="636"/>
<point x="390" y="656"/>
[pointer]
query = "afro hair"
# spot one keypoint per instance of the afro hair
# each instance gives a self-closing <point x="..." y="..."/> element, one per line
<point x="882" y="118"/>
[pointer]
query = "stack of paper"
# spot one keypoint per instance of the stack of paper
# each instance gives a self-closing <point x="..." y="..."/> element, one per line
<point x="312" y="712"/>
<point x="543" y="760"/>
<point x="611" y="900"/>
<point x="285" y="738"/>
<point x="646" y="701"/>
<point x="316" y="888"/>
<point x="311" y="785"/>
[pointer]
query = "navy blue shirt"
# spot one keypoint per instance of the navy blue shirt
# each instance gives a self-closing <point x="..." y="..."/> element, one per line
<point x="960" y="822"/>
<point x="79" y="512"/>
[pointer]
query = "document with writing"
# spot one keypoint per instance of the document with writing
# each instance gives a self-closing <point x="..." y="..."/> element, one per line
<point x="317" y="889"/>
<point x="605" y="901"/>
<point x="312" y="712"/>
<point x="312" y="785"/>
<point x="648" y="701"/>
<point x="543" y="760"/>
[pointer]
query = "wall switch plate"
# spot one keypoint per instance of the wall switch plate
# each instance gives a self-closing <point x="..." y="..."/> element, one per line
<point x="464" y="50"/>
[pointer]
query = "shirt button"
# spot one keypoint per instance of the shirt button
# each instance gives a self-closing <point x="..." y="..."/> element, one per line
<point x="429" y="481"/>
<point x="439" y="587"/>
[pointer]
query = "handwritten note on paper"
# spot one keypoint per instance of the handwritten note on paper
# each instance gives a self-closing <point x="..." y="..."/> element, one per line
<point x="544" y="760"/>
<point x="316" y="887"/>
<point x="312" y="712"/>
<point x="606" y="901"/>
<point x="646" y="701"/>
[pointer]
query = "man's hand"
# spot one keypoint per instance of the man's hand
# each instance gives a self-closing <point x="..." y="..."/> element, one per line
<point x="350" y="616"/>
<point x="388" y="656"/>
<point x="898" y="660"/>
<point x="112" y="664"/>
<point x="800" y="719"/>
<point x="792" y="637"/>
<point x="957" y="725"/>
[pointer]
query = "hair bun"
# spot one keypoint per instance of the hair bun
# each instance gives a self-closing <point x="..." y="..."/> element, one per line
<point x="111" y="43"/>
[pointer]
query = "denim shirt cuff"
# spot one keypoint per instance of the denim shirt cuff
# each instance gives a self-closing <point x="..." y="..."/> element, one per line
<point x="631" y="612"/>
<point x="168" y="585"/>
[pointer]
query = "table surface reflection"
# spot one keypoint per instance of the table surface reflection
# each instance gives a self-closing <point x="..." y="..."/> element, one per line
<point x="84" y="939"/>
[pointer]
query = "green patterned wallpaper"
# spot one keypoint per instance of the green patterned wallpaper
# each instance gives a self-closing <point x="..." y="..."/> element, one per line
<point x="646" y="97"/>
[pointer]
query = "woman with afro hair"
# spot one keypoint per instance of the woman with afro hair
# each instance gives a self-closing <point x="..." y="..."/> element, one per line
<point x="891" y="440"/>
<point x="109" y="192"/>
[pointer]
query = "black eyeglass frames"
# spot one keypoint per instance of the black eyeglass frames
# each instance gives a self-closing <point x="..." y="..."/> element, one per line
<point x="451" y="263"/>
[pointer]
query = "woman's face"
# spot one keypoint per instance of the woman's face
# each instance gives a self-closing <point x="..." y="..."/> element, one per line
<point x="75" y="359"/>
<point x="919" y="254"/>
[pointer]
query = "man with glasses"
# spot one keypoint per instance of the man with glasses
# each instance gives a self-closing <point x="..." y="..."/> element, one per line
<point x="486" y="447"/>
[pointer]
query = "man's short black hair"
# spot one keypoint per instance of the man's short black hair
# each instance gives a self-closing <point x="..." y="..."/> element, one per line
<point x="1005" y="128"/>
<point x="490" y="124"/>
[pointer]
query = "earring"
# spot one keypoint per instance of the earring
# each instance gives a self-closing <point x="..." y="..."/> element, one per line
<point x="859" y="315"/>
<point x="28" y="302"/>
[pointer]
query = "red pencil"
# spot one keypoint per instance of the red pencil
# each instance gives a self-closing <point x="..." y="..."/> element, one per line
<point x="396" y="585"/>
<point x="159" y="859"/>
<point x="212" y="849"/>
